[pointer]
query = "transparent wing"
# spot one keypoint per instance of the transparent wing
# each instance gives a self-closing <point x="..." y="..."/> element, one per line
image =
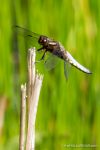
<point x="26" y="32"/>
<point x="31" y="38"/>
<point x="67" y="67"/>
<point x="51" y="61"/>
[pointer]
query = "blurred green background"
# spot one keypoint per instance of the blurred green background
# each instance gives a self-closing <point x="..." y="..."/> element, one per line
<point x="68" y="112"/>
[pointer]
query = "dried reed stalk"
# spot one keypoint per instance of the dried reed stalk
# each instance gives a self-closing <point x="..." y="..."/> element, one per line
<point x="22" y="117"/>
<point x="33" y="91"/>
<point x="34" y="86"/>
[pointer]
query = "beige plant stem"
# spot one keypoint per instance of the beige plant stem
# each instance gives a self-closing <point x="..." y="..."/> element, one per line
<point x="22" y="117"/>
<point x="34" y="86"/>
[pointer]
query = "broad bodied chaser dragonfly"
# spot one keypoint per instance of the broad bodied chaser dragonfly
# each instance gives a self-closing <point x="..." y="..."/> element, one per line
<point x="55" y="48"/>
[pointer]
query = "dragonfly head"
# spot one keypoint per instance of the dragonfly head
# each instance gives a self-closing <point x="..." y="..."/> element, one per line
<point x="43" y="40"/>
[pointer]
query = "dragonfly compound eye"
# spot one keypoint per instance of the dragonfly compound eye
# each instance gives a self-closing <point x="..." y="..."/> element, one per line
<point x="42" y="39"/>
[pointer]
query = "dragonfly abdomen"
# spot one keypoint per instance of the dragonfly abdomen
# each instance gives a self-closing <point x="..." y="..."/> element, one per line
<point x="73" y="62"/>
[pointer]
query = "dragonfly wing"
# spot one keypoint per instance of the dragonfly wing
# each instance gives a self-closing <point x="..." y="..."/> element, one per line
<point x="26" y="32"/>
<point x="73" y="62"/>
<point x="66" y="69"/>
<point x="51" y="62"/>
<point x="31" y="38"/>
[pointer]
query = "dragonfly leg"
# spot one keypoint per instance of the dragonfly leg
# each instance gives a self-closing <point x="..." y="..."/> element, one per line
<point x="42" y="58"/>
<point x="40" y="49"/>
<point x="43" y="55"/>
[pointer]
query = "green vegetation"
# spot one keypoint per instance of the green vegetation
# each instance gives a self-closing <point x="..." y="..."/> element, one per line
<point x="68" y="112"/>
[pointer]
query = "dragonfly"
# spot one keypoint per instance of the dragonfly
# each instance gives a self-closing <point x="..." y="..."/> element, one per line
<point x="54" y="47"/>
